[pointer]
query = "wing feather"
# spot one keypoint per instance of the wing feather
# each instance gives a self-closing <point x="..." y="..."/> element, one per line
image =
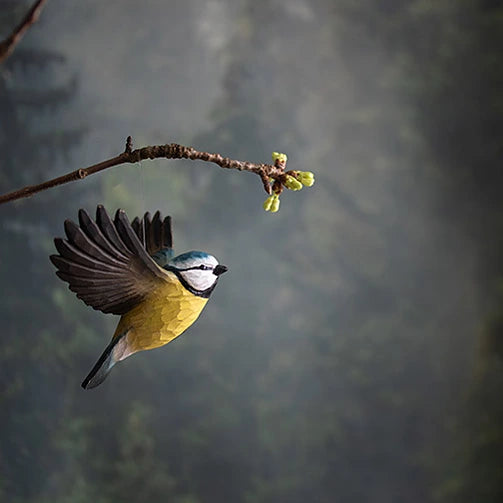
<point x="157" y="235"/>
<point x="157" y="230"/>
<point x="137" y="226"/>
<point x="66" y="250"/>
<point x="131" y="240"/>
<point x="80" y="240"/>
<point x="149" y="235"/>
<point x="105" y="263"/>
<point x="95" y="234"/>
<point x="107" y="227"/>
<point x="65" y="265"/>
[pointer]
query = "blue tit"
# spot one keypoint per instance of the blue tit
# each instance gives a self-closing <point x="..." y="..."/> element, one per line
<point x="129" y="269"/>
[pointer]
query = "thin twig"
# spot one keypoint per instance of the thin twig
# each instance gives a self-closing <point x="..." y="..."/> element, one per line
<point x="266" y="172"/>
<point x="8" y="45"/>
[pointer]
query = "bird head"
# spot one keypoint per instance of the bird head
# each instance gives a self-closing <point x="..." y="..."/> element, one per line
<point x="198" y="271"/>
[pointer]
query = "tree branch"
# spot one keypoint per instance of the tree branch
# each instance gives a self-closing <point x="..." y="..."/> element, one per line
<point x="8" y="45"/>
<point x="273" y="177"/>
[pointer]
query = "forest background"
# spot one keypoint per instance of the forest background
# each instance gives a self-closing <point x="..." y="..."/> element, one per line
<point x="354" y="351"/>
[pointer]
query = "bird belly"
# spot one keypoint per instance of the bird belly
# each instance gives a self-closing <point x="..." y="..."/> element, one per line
<point x="162" y="316"/>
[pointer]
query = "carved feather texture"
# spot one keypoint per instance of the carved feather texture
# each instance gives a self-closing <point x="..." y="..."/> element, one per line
<point x="155" y="234"/>
<point x="107" y="264"/>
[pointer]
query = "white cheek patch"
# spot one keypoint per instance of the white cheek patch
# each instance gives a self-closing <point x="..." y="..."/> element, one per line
<point x="199" y="279"/>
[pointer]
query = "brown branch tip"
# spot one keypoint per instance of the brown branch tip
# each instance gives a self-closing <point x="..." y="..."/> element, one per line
<point x="8" y="45"/>
<point x="273" y="176"/>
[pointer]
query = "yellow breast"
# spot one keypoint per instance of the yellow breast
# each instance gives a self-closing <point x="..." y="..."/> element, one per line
<point x="166" y="313"/>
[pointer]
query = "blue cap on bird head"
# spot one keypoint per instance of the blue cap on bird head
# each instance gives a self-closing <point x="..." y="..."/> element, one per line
<point x="191" y="258"/>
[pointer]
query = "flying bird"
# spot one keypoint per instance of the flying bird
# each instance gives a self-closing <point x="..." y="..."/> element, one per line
<point x="130" y="269"/>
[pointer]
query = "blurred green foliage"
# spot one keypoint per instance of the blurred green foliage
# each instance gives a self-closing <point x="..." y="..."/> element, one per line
<point x="354" y="351"/>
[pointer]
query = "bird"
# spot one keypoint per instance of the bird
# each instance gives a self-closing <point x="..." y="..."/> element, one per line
<point x="129" y="269"/>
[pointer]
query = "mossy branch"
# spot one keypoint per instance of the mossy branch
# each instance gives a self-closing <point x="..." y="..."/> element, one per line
<point x="273" y="176"/>
<point x="8" y="45"/>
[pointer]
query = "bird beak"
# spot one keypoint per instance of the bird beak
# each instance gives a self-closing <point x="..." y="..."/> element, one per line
<point x="219" y="269"/>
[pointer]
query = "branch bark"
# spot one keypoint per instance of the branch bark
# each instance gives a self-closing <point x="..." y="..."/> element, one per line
<point x="266" y="172"/>
<point x="7" y="46"/>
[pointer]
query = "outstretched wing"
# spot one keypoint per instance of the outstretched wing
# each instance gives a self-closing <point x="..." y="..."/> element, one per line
<point x="157" y="236"/>
<point x="105" y="263"/>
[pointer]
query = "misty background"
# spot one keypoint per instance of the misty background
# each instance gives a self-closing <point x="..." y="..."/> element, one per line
<point x="354" y="350"/>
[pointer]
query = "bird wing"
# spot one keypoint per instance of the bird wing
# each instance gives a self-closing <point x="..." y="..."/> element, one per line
<point x="105" y="263"/>
<point x="156" y="235"/>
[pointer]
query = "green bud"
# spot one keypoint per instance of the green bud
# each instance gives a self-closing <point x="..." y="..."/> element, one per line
<point x="278" y="157"/>
<point x="306" y="178"/>
<point x="275" y="205"/>
<point x="272" y="203"/>
<point x="292" y="183"/>
<point x="268" y="203"/>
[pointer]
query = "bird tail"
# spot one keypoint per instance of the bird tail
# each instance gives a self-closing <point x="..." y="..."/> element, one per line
<point x="113" y="353"/>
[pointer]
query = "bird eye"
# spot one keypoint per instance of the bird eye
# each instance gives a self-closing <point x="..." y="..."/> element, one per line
<point x="204" y="267"/>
